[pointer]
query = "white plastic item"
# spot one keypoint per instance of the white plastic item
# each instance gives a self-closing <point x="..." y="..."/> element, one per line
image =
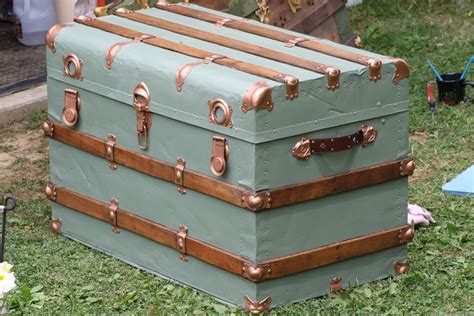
<point x="33" y="18"/>
<point x="66" y="10"/>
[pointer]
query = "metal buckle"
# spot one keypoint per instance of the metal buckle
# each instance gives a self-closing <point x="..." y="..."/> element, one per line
<point x="181" y="242"/>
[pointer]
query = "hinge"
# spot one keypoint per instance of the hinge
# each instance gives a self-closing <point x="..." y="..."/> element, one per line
<point x="179" y="174"/>
<point x="256" y="307"/>
<point x="335" y="285"/>
<point x="220" y="152"/>
<point x="181" y="242"/>
<point x="257" y="272"/>
<point x="256" y="202"/>
<point x="50" y="192"/>
<point x="110" y="151"/>
<point x="112" y="208"/>
<point x="141" y="103"/>
<point x="72" y="106"/>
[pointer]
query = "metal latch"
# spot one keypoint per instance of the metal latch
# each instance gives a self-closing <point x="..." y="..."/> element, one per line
<point x="220" y="153"/>
<point x="141" y="103"/>
<point x="110" y="152"/>
<point x="181" y="242"/>
<point x="72" y="106"/>
<point x="112" y="208"/>
<point x="178" y="174"/>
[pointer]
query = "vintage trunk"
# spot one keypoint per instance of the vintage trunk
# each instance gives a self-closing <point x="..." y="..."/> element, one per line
<point x="190" y="144"/>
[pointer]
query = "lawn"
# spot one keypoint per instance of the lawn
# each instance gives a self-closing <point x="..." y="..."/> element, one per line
<point x="58" y="275"/>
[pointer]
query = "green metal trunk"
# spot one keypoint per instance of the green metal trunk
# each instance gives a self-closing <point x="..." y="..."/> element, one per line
<point x="259" y="157"/>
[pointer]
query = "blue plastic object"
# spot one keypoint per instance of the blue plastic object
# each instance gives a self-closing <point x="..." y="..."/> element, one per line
<point x="462" y="185"/>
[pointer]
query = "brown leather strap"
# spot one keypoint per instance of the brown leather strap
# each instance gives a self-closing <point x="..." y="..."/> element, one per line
<point x="179" y="48"/>
<point x="306" y="147"/>
<point x="227" y="42"/>
<point x="270" y="269"/>
<point x="225" y="191"/>
<point x="374" y="64"/>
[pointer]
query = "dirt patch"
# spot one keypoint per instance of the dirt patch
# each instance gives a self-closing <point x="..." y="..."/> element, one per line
<point x="23" y="157"/>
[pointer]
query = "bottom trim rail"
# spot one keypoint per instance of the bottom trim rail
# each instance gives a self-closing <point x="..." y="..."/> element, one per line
<point x="189" y="246"/>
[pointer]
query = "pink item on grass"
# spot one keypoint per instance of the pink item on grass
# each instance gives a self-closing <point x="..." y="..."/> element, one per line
<point x="418" y="215"/>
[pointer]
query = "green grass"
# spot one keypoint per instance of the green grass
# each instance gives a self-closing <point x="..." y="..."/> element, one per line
<point x="57" y="275"/>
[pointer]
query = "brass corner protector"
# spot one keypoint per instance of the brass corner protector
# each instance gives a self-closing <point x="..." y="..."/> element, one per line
<point x="253" y="307"/>
<point x="257" y="201"/>
<point x="179" y="174"/>
<point x="181" y="236"/>
<point x="56" y="225"/>
<point x="48" y="128"/>
<point x="141" y="103"/>
<point x="333" y="76"/>
<point x="402" y="70"/>
<point x="50" y="192"/>
<point x="375" y="69"/>
<point x="258" y="96"/>
<point x="110" y="151"/>
<point x="112" y="208"/>
<point x="369" y="134"/>
<point x="52" y="33"/>
<point x="302" y="149"/>
<point x="335" y="285"/>
<point x="72" y="66"/>
<point x="406" y="234"/>
<point x="256" y="272"/>
<point x="220" y="153"/>
<point x="72" y="106"/>
<point x="292" y="86"/>
<point x="219" y="105"/>
<point x="407" y="167"/>
<point x="400" y="267"/>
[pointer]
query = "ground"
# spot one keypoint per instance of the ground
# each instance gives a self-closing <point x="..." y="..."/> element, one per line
<point x="58" y="275"/>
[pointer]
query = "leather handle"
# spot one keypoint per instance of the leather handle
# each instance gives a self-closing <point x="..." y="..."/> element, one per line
<point x="306" y="147"/>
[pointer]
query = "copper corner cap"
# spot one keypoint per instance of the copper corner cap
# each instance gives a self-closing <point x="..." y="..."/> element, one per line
<point x="258" y="96"/>
<point x="402" y="70"/>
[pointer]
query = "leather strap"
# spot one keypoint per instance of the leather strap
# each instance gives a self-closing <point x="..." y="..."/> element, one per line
<point x="270" y="269"/>
<point x="252" y="201"/>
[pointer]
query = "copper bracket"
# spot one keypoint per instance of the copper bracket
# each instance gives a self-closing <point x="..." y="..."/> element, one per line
<point x="214" y="107"/>
<point x="110" y="151"/>
<point x="402" y="70"/>
<point x="72" y="106"/>
<point x="83" y="18"/>
<point x="112" y="209"/>
<point x="179" y="174"/>
<point x="258" y="96"/>
<point x="335" y="285"/>
<point x="56" y="225"/>
<point x="51" y="35"/>
<point x="185" y="70"/>
<point x="113" y="49"/>
<point x="295" y="41"/>
<point x="223" y="22"/>
<point x="257" y="307"/>
<point x="400" y="267"/>
<point x="220" y="153"/>
<point x="256" y="273"/>
<point x="141" y="103"/>
<point x="50" y="192"/>
<point x="407" y="167"/>
<point x="369" y="134"/>
<point x="72" y="66"/>
<point x="375" y="69"/>
<point x="406" y="235"/>
<point x="333" y="75"/>
<point x="302" y="149"/>
<point x="256" y="202"/>
<point x="292" y="85"/>
<point x="48" y="128"/>
<point x="181" y="242"/>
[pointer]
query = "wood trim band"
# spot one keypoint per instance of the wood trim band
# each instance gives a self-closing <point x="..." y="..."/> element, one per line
<point x="226" y="41"/>
<point x="179" y="48"/>
<point x="270" y="269"/>
<point x="375" y="65"/>
<point x="252" y="201"/>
